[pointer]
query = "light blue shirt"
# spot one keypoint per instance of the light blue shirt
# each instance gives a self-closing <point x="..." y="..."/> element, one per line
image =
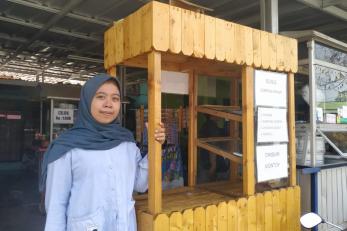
<point x="89" y="190"/>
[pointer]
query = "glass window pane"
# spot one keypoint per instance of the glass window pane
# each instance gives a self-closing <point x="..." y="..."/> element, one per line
<point x="331" y="94"/>
<point x="330" y="55"/>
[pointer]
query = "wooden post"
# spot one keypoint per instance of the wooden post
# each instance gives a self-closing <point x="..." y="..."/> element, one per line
<point x="291" y="128"/>
<point x="180" y="118"/>
<point x="248" y="130"/>
<point x="234" y="127"/>
<point x="142" y="121"/>
<point x="112" y="71"/>
<point x="192" y="133"/>
<point x="154" y="118"/>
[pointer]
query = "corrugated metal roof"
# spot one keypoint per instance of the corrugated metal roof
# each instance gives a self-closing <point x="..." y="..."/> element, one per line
<point x="64" y="39"/>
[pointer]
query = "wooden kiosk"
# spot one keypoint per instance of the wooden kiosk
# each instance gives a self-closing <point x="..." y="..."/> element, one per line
<point x="164" y="37"/>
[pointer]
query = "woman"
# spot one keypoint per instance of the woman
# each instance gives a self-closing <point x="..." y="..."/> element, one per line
<point x="92" y="169"/>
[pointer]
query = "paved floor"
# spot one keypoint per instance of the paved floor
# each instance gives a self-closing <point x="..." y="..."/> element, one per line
<point x="19" y="200"/>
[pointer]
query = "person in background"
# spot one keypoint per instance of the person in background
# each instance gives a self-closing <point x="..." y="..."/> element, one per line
<point x="210" y="166"/>
<point x="91" y="171"/>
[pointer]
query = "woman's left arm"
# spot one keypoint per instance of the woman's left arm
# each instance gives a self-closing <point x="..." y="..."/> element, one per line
<point x="141" y="177"/>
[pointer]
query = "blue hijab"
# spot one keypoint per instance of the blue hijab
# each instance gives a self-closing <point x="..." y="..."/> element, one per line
<point x="87" y="133"/>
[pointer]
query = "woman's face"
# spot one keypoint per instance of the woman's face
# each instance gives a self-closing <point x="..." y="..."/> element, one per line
<point x="106" y="103"/>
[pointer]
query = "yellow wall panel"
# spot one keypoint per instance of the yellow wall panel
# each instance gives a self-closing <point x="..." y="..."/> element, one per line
<point x="276" y="210"/>
<point x="222" y="216"/>
<point x="265" y="55"/>
<point x="268" y="203"/>
<point x="147" y="27"/>
<point x="232" y="215"/>
<point x="175" y="29"/>
<point x="283" y="209"/>
<point x="280" y="44"/>
<point x="230" y="53"/>
<point x="240" y="41"/>
<point x="187" y="32"/>
<point x="161" y="222"/>
<point x="260" y="212"/>
<point x="161" y="26"/>
<point x="242" y="214"/>
<point x="256" y="48"/>
<point x="272" y="51"/>
<point x="210" y="37"/>
<point x="211" y="218"/>
<point x="119" y="42"/>
<point x="252" y="213"/>
<point x="248" y="46"/>
<point x="199" y="35"/>
<point x="176" y="221"/>
<point x="199" y="219"/>
<point x="220" y="39"/>
<point x="188" y="220"/>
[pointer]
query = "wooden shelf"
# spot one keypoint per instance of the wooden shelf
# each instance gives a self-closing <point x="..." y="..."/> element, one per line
<point x="191" y="197"/>
<point x="224" y="187"/>
<point x="223" y="146"/>
<point x="226" y="112"/>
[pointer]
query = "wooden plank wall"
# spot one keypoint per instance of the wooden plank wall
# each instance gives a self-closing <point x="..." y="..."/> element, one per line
<point x="332" y="191"/>
<point x="161" y="27"/>
<point x="269" y="211"/>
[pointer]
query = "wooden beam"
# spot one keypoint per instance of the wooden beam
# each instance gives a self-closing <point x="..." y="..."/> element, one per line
<point x="219" y="152"/>
<point x="142" y="120"/>
<point x="248" y="130"/>
<point x="234" y="127"/>
<point x="154" y="118"/>
<point x="192" y="133"/>
<point x="291" y="128"/>
<point x="220" y="114"/>
<point x="219" y="138"/>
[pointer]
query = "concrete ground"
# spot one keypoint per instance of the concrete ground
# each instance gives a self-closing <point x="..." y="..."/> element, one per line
<point x="19" y="199"/>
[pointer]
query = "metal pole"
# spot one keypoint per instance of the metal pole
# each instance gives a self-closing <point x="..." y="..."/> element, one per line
<point x="41" y="106"/>
<point x="51" y="120"/>
<point x="269" y="15"/>
<point x="333" y="225"/>
<point x="312" y="96"/>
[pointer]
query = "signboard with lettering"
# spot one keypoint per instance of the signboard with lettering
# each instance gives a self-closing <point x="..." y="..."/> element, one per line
<point x="272" y="125"/>
<point x="63" y="116"/>
<point x="272" y="162"/>
<point x="270" y="89"/>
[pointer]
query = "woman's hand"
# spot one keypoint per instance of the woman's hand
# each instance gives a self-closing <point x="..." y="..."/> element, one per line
<point x="159" y="133"/>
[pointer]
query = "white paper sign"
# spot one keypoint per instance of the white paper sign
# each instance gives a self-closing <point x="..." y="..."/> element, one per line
<point x="270" y="89"/>
<point x="63" y="116"/>
<point x="272" y="162"/>
<point x="272" y="125"/>
<point x="174" y="82"/>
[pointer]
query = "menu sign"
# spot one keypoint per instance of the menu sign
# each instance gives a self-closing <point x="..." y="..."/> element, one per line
<point x="272" y="162"/>
<point x="272" y="125"/>
<point x="270" y="89"/>
<point x="63" y="116"/>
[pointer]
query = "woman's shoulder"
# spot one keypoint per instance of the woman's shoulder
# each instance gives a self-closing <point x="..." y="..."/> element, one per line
<point x="124" y="145"/>
<point x="127" y="144"/>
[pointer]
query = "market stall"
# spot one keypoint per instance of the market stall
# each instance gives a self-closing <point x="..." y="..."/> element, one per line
<point x="265" y="195"/>
<point x="321" y="86"/>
